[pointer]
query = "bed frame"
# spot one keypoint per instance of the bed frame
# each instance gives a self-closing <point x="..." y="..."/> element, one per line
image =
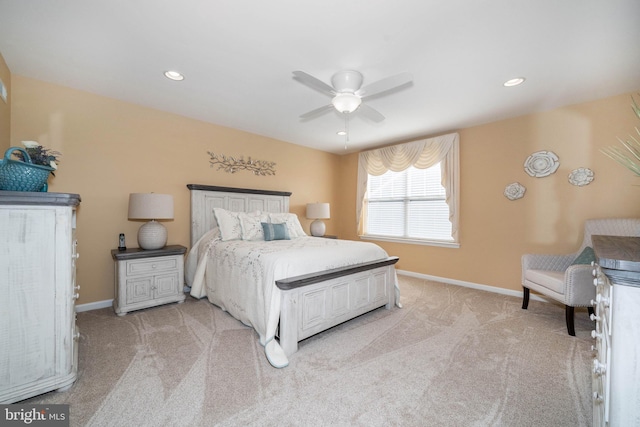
<point x="310" y="303"/>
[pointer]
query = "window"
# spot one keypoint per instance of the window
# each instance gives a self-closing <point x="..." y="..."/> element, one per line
<point x="409" y="192"/>
<point x="409" y="204"/>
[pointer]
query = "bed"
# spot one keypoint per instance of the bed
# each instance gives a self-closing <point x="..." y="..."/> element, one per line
<point x="287" y="288"/>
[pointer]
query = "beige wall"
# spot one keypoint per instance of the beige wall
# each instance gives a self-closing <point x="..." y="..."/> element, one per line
<point x="5" y="108"/>
<point x="495" y="232"/>
<point x="111" y="148"/>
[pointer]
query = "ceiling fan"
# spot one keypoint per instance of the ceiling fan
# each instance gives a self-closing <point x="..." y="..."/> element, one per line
<point x="348" y="94"/>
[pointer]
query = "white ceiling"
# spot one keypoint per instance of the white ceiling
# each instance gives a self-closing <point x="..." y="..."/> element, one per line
<point x="238" y="58"/>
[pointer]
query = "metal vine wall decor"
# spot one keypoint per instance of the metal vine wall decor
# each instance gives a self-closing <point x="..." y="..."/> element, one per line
<point x="231" y="164"/>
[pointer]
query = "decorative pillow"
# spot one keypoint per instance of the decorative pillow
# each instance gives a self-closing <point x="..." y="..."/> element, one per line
<point x="586" y="256"/>
<point x="251" y="225"/>
<point x="228" y="223"/>
<point x="275" y="231"/>
<point x="293" y="224"/>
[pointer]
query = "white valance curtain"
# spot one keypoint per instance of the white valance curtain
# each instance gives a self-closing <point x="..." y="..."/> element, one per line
<point x="420" y="154"/>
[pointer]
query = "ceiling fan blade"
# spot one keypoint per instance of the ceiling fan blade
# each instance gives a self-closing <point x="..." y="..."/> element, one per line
<point x="385" y="85"/>
<point x="318" y="111"/>
<point x="370" y="113"/>
<point x="313" y="82"/>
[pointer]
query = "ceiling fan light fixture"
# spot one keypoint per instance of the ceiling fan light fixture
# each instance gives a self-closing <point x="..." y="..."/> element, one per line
<point x="346" y="102"/>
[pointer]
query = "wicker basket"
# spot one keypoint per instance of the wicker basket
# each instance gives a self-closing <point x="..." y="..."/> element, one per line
<point x="22" y="176"/>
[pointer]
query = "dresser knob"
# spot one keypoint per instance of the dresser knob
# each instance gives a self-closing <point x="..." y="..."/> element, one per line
<point x="76" y="336"/>
<point x="597" y="397"/>
<point x="596" y="335"/>
<point x="594" y="317"/>
<point x="76" y="296"/>
<point x="598" y="368"/>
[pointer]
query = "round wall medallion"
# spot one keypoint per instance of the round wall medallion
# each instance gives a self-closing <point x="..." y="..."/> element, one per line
<point x="541" y="163"/>
<point x="581" y="176"/>
<point x="514" y="191"/>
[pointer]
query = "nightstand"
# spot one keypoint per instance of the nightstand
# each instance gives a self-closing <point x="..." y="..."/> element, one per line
<point x="146" y="278"/>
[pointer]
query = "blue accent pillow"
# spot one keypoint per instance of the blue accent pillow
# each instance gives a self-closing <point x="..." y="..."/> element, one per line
<point x="586" y="256"/>
<point x="275" y="231"/>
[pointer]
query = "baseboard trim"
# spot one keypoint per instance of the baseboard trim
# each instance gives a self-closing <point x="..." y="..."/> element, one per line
<point x="472" y="285"/>
<point x="94" y="305"/>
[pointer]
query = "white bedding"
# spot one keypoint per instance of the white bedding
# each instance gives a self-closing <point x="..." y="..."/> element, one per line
<point x="239" y="276"/>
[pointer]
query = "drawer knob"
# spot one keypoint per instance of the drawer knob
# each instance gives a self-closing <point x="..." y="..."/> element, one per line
<point x="597" y="397"/>
<point x="596" y="335"/>
<point x="594" y="317"/>
<point x="598" y="368"/>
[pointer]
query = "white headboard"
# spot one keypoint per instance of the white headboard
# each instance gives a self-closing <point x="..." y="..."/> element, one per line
<point x="206" y="197"/>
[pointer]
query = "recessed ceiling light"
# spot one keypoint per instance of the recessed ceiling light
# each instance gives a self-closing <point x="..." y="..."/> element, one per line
<point x="341" y="132"/>
<point x="173" y="75"/>
<point x="514" y="82"/>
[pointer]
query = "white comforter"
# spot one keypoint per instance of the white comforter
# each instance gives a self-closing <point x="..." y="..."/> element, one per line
<point x="239" y="276"/>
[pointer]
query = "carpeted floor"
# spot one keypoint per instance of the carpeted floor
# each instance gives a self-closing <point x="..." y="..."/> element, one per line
<point x="452" y="356"/>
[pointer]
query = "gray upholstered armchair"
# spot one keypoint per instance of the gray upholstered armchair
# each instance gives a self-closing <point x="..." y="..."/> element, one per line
<point x="567" y="279"/>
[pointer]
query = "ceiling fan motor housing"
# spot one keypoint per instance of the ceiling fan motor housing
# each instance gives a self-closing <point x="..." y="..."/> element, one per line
<point x="346" y="81"/>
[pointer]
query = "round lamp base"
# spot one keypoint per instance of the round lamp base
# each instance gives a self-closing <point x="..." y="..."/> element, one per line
<point x="152" y="235"/>
<point x="318" y="228"/>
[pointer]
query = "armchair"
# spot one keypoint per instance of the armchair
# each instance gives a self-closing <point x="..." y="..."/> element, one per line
<point x="567" y="279"/>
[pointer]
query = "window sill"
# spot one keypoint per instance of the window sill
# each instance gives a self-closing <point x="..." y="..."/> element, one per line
<point x="423" y="242"/>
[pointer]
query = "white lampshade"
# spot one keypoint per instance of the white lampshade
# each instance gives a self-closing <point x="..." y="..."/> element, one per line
<point x="153" y="206"/>
<point x="318" y="211"/>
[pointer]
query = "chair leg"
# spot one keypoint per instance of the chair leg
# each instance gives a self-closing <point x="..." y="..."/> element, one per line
<point x="525" y="298"/>
<point x="569" y="315"/>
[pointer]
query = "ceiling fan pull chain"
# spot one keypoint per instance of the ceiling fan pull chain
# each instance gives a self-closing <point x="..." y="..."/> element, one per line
<point x="346" y="130"/>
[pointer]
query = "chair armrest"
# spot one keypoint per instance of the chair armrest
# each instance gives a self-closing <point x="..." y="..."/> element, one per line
<point x="547" y="262"/>
<point x="579" y="287"/>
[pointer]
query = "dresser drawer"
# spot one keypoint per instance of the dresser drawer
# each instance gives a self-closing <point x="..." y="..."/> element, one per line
<point x="151" y="266"/>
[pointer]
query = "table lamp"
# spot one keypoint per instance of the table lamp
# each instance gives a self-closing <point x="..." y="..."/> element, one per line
<point x="151" y="206"/>
<point x="318" y="211"/>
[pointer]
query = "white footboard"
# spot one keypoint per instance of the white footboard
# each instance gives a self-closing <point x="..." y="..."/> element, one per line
<point x="315" y="302"/>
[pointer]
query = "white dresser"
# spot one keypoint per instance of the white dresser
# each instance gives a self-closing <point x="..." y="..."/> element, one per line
<point x="616" y="365"/>
<point x="38" y="335"/>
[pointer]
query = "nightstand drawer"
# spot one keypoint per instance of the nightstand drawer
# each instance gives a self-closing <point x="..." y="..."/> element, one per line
<point x="153" y="265"/>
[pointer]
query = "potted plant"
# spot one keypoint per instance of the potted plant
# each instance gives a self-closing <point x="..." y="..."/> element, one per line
<point x="629" y="156"/>
<point x="30" y="171"/>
